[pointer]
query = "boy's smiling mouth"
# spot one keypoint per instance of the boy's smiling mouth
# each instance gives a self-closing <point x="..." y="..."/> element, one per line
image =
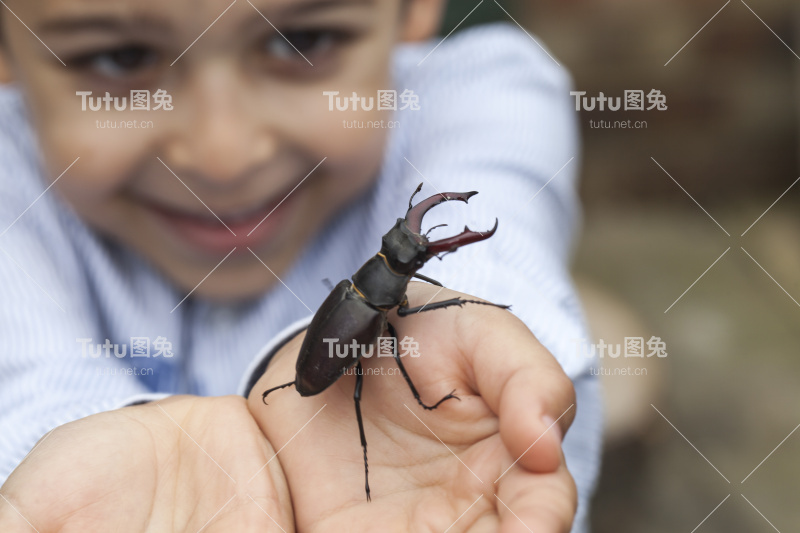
<point x="214" y="232"/>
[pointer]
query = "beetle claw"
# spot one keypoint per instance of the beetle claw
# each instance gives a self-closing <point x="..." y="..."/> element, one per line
<point x="414" y="222"/>
<point x="414" y="214"/>
<point x="466" y="237"/>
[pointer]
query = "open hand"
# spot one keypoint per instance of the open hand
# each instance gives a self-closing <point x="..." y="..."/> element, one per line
<point x="475" y="457"/>
<point x="182" y="464"/>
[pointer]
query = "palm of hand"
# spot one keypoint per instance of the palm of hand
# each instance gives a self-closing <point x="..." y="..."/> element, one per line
<point x="178" y="465"/>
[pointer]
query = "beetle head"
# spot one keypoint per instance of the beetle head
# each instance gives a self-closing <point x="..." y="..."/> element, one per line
<point x="407" y="249"/>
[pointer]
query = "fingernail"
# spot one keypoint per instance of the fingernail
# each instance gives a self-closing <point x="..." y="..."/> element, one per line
<point x="550" y="423"/>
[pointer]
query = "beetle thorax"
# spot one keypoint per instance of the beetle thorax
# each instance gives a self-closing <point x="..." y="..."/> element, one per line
<point x="383" y="280"/>
<point x="405" y="251"/>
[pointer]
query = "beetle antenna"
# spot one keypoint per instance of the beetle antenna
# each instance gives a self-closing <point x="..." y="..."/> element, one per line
<point x="410" y="200"/>
<point x="433" y="228"/>
<point x="264" y="396"/>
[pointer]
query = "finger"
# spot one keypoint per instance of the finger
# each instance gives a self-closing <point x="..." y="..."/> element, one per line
<point x="516" y="376"/>
<point x="545" y="503"/>
<point x="522" y="383"/>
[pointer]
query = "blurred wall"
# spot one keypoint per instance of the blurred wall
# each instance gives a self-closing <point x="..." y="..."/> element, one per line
<point x="730" y="138"/>
<point x="731" y="126"/>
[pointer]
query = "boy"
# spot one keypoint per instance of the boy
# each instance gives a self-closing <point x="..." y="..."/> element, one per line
<point x="207" y="230"/>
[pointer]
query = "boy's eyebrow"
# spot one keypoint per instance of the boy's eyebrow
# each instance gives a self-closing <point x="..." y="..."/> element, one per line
<point x="110" y="23"/>
<point x="106" y="23"/>
<point x="300" y="8"/>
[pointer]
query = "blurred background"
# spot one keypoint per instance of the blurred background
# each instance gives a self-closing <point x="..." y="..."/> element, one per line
<point x="682" y="438"/>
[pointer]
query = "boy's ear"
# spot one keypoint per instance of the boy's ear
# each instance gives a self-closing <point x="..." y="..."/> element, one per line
<point x="423" y="19"/>
<point x="5" y="67"/>
<point x="5" y="62"/>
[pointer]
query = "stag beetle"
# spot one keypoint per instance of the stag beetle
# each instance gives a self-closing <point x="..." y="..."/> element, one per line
<point x="356" y="310"/>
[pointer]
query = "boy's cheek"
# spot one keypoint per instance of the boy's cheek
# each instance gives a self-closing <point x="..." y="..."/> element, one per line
<point x="68" y="134"/>
<point x="103" y="162"/>
<point x="354" y="141"/>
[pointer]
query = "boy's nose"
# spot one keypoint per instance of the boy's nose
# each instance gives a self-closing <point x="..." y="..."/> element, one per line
<point x="220" y="142"/>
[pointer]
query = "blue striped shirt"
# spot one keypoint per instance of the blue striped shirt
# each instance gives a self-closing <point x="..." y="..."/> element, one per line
<point x="496" y="118"/>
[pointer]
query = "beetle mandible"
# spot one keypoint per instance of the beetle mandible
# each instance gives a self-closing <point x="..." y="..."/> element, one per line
<point x="356" y="310"/>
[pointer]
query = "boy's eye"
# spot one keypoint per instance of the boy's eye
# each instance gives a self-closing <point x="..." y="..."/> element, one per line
<point x="118" y="63"/>
<point x="307" y="42"/>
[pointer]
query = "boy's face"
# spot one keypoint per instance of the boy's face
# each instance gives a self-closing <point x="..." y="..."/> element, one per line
<point x="250" y="120"/>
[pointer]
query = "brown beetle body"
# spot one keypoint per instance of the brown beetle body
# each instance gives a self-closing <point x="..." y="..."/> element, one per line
<point x="356" y="319"/>
<point x="354" y="313"/>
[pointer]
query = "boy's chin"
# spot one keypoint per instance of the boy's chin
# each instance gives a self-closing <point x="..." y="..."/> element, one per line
<point x="235" y="278"/>
<point x="232" y="289"/>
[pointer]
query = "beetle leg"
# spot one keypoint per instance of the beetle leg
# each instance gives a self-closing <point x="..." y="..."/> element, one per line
<point x="429" y="280"/>
<point x="264" y="396"/>
<point x="357" y="399"/>
<point x="404" y="310"/>
<point x="393" y="333"/>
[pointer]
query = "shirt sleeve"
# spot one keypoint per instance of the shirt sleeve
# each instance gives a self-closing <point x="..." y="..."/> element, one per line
<point x="46" y="379"/>
<point x="259" y="364"/>
<point x="495" y="117"/>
